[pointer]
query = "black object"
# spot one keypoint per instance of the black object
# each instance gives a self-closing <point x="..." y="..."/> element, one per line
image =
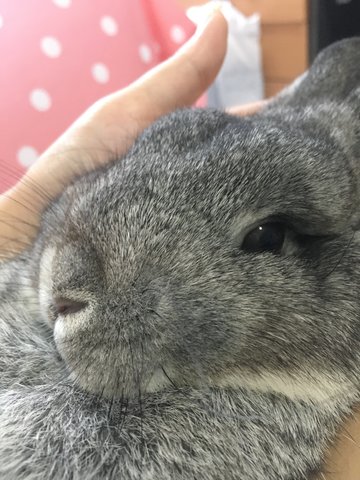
<point x="332" y="20"/>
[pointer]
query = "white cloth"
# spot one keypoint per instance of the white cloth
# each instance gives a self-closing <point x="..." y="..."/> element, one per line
<point x="240" y="79"/>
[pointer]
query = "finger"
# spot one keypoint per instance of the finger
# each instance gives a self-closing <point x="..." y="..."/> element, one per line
<point x="248" y="108"/>
<point x="184" y="77"/>
<point x="109" y="127"/>
<point x="342" y="461"/>
<point x="177" y="82"/>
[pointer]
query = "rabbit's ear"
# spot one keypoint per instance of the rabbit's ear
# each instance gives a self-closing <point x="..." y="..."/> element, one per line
<point x="326" y="100"/>
<point x="333" y="76"/>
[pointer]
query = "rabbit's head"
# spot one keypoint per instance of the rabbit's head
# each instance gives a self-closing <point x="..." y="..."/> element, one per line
<point x="220" y="251"/>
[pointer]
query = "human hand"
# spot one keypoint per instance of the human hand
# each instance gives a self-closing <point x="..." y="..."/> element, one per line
<point x="343" y="458"/>
<point x="107" y="129"/>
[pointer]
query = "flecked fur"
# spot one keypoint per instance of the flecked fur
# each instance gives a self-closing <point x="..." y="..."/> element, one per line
<point x="192" y="358"/>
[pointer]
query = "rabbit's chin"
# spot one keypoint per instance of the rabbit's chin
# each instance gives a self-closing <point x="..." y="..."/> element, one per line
<point x="111" y="388"/>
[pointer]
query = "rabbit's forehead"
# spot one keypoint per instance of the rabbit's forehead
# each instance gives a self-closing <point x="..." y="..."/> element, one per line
<point x="233" y="177"/>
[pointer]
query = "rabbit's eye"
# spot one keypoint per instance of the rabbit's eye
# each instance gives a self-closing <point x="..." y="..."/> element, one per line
<point x="64" y="306"/>
<point x="269" y="237"/>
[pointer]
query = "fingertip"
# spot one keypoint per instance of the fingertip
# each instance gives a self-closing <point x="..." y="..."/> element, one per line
<point x="184" y="77"/>
<point x="211" y="34"/>
<point x="214" y="20"/>
<point x="205" y="51"/>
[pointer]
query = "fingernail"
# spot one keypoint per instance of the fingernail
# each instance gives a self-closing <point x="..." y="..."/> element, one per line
<point x="203" y="15"/>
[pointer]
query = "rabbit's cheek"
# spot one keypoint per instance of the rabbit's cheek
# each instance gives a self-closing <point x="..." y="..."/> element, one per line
<point x="45" y="281"/>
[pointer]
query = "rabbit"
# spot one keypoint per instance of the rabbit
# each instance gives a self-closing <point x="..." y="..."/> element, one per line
<point x="192" y="310"/>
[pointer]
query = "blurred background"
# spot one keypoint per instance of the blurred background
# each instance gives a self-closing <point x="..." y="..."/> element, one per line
<point x="59" y="56"/>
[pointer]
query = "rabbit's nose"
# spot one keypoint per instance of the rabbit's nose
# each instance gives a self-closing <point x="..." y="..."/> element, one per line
<point x="67" y="306"/>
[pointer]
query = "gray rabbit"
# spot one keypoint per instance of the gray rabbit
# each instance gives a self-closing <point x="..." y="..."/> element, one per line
<point x="192" y="311"/>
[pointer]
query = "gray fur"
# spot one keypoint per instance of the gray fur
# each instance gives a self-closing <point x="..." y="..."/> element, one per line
<point x="194" y="359"/>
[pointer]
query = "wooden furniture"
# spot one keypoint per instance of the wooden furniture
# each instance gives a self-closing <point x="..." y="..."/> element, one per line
<point x="284" y="38"/>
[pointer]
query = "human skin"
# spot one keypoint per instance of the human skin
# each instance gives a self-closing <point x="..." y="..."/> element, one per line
<point x="106" y="130"/>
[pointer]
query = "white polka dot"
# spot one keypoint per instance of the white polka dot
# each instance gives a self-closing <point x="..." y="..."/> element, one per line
<point x="27" y="156"/>
<point x="145" y="53"/>
<point x="51" y="47"/>
<point x="40" y="99"/>
<point x="177" y="34"/>
<point x="1" y="21"/>
<point x="109" y="26"/>
<point x="62" y="3"/>
<point x="100" y="73"/>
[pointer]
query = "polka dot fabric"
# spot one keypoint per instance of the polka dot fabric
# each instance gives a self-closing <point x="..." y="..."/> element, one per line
<point x="59" y="56"/>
